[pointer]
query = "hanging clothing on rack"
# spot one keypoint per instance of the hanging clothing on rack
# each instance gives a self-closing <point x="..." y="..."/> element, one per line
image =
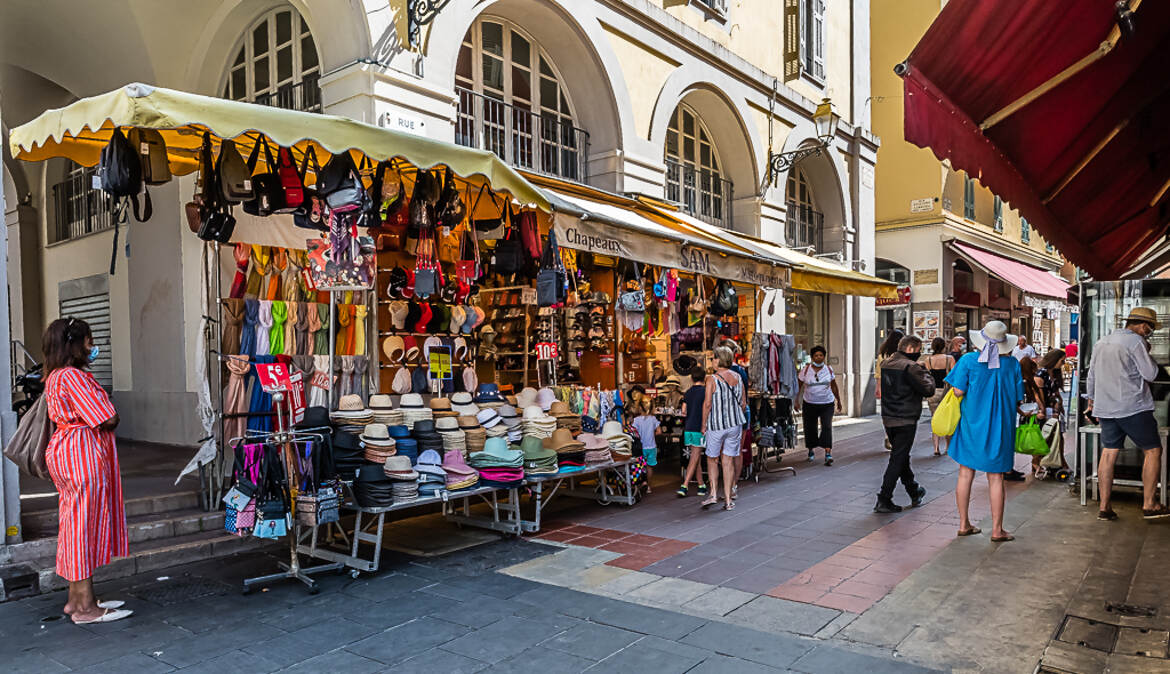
<point x="290" y="289"/>
<point x="321" y="336"/>
<point x="758" y="361"/>
<point x="275" y="273"/>
<point x="318" y="395"/>
<point x="344" y="344"/>
<point x="276" y="332"/>
<point x="292" y="310"/>
<point x="251" y="326"/>
<point x="359" y="329"/>
<point x="304" y="341"/>
<point x="261" y="256"/>
<point x="264" y="329"/>
<point x="780" y="362"/>
<point x="235" y="396"/>
<point x="361" y="365"/>
<point x="243" y="256"/>
<point x="261" y="402"/>
<point x="304" y="365"/>
<point x="233" y="325"/>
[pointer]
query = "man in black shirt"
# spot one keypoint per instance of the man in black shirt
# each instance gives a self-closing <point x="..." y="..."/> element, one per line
<point x="905" y="384"/>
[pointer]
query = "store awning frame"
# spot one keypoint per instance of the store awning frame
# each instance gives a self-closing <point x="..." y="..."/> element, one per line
<point x="80" y="130"/>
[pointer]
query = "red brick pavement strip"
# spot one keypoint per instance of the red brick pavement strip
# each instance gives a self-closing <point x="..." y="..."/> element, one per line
<point x="860" y="575"/>
<point x="638" y="550"/>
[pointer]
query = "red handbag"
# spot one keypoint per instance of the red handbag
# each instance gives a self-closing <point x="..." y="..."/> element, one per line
<point x="467" y="269"/>
<point x="291" y="180"/>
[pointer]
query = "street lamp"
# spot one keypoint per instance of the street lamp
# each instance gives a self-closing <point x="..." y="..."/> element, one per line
<point x="418" y="14"/>
<point x="826" y="121"/>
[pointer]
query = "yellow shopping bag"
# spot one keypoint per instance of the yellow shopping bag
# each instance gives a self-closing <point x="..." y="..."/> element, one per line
<point x="946" y="415"/>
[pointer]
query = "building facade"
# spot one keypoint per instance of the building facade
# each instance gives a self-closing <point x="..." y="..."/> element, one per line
<point x="681" y="100"/>
<point x="962" y="255"/>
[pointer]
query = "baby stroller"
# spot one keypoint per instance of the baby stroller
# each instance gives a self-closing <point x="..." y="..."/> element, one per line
<point x="775" y="434"/>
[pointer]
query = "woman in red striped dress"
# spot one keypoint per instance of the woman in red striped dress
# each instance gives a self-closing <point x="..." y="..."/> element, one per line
<point x="83" y="463"/>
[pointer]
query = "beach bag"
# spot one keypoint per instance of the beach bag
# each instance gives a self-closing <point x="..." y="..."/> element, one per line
<point x="27" y="447"/>
<point x="946" y="416"/>
<point x="1029" y="439"/>
<point x="1055" y="457"/>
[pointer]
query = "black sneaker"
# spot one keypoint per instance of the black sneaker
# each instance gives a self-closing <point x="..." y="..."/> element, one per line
<point x="885" y="505"/>
<point x="1106" y="515"/>
<point x="1013" y="476"/>
<point x="828" y="459"/>
<point x="916" y="500"/>
<point x="1157" y="513"/>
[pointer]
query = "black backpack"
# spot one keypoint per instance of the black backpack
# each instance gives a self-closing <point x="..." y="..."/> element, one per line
<point x="340" y="184"/>
<point x="121" y="173"/>
<point x="724" y="302"/>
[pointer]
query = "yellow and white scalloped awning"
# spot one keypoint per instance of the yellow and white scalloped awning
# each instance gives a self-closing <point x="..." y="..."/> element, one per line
<point x="80" y="130"/>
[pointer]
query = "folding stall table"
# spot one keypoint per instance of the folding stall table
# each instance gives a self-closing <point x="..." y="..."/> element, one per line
<point x="602" y="492"/>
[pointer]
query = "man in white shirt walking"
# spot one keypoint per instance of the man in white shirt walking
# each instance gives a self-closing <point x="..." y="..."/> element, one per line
<point x="1024" y="350"/>
<point x="1118" y="384"/>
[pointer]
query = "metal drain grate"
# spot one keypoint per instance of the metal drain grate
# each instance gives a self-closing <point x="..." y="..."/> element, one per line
<point x="1143" y="642"/>
<point x="1131" y="611"/>
<point x="1115" y="639"/>
<point x="178" y="590"/>
<point x="1092" y="634"/>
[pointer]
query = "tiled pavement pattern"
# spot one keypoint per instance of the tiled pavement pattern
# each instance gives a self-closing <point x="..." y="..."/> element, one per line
<point x="449" y="614"/>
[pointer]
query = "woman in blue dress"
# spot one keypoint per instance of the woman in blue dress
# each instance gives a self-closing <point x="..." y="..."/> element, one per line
<point x="989" y="383"/>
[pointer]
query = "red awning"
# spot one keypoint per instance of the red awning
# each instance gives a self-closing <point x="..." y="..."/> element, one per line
<point x="1010" y="92"/>
<point x="1025" y="277"/>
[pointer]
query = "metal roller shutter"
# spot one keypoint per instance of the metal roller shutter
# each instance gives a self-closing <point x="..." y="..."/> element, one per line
<point x="95" y="310"/>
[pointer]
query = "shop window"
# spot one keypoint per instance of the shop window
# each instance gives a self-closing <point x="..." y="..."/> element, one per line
<point x="806" y="225"/>
<point x="1025" y="231"/>
<point x="997" y="214"/>
<point x="78" y="208"/>
<point x="969" y="198"/>
<point x="693" y="177"/>
<point x="998" y="294"/>
<point x="513" y="102"/>
<point x="276" y="64"/>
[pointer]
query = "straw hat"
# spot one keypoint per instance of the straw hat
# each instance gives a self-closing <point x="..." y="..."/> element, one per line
<point x="560" y="409"/>
<point x="996" y="330"/>
<point x="526" y="397"/>
<point x="411" y="400"/>
<point x="545" y="397"/>
<point x="1146" y="315"/>
<point x="380" y="402"/>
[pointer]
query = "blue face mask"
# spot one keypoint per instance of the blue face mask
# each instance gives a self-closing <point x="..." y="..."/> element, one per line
<point x="93" y="353"/>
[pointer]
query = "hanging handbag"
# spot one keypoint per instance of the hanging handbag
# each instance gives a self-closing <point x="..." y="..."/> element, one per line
<point x="725" y="302"/>
<point x="268" y="193"/>
<point x="450" y="209"/>
<point x="634" y="300"/>
<point x="152" y="150"/>
<point x="467" y="269"/>
<point x="235" y="180"/>
<point x="529" y="232"/>
<point x="27" y="447"/>
<point x="216" y="222"/>
<point x="272" y="510"/>
<point x="551" y="280"/>
<point x="426" y="268"/>
<point x="340" y="183"/>
<point x="422" y="201"/>
<point x="486" y="225"/>
<point x="508" y="255"/>
<point x="313" y="211"/>
<point x="292" y="181"/>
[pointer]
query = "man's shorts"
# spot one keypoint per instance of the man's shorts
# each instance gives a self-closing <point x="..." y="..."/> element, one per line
<point x="693" y="439"/>
<point x="725" y="442"/>
<point x="1140" y="428"/>
<point x="651" y="455"/>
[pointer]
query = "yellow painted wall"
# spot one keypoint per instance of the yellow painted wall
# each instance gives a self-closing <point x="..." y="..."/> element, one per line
<point x="645" y="70"/>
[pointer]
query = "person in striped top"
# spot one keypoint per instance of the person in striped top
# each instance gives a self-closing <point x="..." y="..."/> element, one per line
<point x="83" y="462"/>
<point x="724" y="414"/>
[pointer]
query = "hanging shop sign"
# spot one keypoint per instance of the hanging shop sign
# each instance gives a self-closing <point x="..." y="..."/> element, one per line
<point x="595" y="236"/>
<point x="546" y="351"/>
<point x="1045" y="303"/>
<point x="902" y="298"/>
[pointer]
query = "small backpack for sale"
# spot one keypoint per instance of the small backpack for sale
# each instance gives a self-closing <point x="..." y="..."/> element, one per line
<point x="121" y="173"/>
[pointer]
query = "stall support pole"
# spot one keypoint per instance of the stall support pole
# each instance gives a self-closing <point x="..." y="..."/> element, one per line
<point x="332" y="341"/>
<point x="215" y="483"/>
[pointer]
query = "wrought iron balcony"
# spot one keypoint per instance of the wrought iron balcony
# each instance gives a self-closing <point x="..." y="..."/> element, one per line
<point x="699" y="192"/>
<point x="304" y="96"/>
<point x="78" y="208"/>
<point x="806" y="227"/>
<point x="523" y="138"/>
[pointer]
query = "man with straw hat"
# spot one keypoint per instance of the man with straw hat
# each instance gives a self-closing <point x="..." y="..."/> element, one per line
<point x="1118" y="388"/>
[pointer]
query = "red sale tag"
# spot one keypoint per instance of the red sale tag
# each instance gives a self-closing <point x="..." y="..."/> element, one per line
<point x="296" y="397"/>
<point x="273" y="376"/>
<point x="546" y="351"/>
<point x="320" y="379"/>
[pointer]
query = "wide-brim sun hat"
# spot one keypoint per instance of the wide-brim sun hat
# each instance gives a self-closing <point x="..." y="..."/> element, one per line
<point x="995" y="330"/>
<point x="1146" y="315"/>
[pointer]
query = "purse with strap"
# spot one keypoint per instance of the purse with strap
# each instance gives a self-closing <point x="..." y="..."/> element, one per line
<point x="27" y="447"/>
<point x="550" y="280"/>
<point x="634" y="300"/>
<point x="268" y="193"/>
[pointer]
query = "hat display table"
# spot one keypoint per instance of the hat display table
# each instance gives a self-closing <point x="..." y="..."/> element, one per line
<point x="546" y="487"/>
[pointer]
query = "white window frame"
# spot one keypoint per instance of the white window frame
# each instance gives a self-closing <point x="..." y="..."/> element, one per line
<point x="704" y="201"/>
<point x="247" y="60"/>
<point x="812" y="40"/>
<point x="997" y="215"/>
<point x="798" y="192"/>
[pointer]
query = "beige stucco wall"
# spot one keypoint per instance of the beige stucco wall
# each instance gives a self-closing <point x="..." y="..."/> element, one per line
<point x="645" y="69"/>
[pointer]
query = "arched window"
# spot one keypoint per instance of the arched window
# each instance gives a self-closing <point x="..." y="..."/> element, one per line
<point x="693" y="178"/>
<point x="513" y="102"/>
<point x="805" y="222"/>
<point x="276" y="64"/>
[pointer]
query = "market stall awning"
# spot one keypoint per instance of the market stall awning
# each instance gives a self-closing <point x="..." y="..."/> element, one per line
<point x="1025" y="277"/>
<point x="808" y="272"/>
<point x="1061" y="109"/>
<point x="80" y="130"/>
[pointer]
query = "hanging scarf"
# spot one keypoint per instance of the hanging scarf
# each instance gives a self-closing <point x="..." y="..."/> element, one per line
<point x="279" y="264"/>
<point x="261" y="402"/>
<point x="344" y="330"/>
<point x="304" y="341"/>
<point x="990" y="352"/>
<point x="235" y="400"/>
<point x="290" y="327"/>
<point x="233" y="323"/>
<point x="321" y="336"/>
<point x="319" y="396"/>
<point x="359" y="329"/>
<point x="304" y="287"/>
<point x="261" y="256"/>
<point x="361" y="365"/>
<point x="290" y="287"/>
<point x="264" y="330"/>
<point x="276" y="333"/>
<point x="251" y="322"/>
<point x="346" y="366"/>
<point x="243" y="255"/>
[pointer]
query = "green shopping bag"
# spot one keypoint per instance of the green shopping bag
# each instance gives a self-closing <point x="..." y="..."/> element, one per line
<point x="1030" y="439"/>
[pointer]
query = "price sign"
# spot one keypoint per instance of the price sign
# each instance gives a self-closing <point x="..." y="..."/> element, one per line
<point x="528" y="296"/>
<point x="296" y="397"/>
<point x="321" y="380"/>
<point x="606" y="361"/>
<point x="440" y="362"/>
<point x="546" y="351"/>
<point x="273" y="377"/>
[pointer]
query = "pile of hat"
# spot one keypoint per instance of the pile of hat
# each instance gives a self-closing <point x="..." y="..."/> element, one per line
<point x="596" y="448"/>
<point x="492" y="423"/>
<point x="536" y="423"/>
<point x="372" y="488"/>
<point x="511" y="420"/>
<point x="545" y="397"/>
<point x="526" y="397"/>
<point x="488" y="395"/>
<point x="441" y="407"/>
<point x="499" y="464"/>
<point x="351" y="415"/>
<point x="406" y="445"/>
<point x="462" y="403"/>
<point x="620" y="443"/>
<point x="403" y="478"/>
<point x="474" y="434"/>
<point x="565" y="417"/>
<point x="377" y="443"/>
<point x="538" y="459"/>
<point x="459" y="474"/>
<point x="432" y="479"/>
<point x="570" y="452"/>
<point x="414" y="410"/>
<point x="384" y="412"/>
<point x="426" y="436"/>
<point x="453" y="436"/>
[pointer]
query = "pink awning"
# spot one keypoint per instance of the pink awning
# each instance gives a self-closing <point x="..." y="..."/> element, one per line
<point x="1025" y="277"/>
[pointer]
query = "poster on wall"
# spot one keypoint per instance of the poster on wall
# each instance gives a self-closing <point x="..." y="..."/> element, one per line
<point x="949" y="323"/>
<point x="927" y="324"/>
